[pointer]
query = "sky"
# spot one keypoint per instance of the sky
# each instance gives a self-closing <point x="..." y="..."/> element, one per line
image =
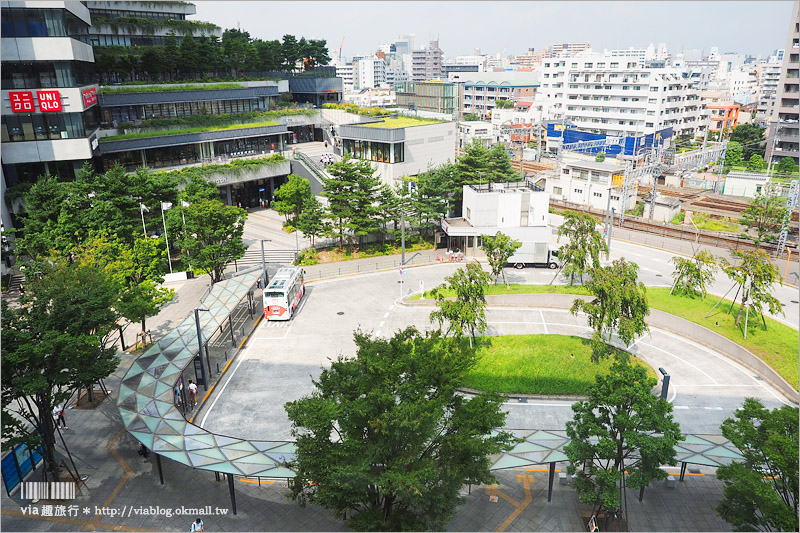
<point x="747" y="27"/>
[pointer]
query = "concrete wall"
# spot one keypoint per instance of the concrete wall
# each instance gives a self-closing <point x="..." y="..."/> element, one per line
<point x="38" y="48"/>
<point x="59" y="150"/>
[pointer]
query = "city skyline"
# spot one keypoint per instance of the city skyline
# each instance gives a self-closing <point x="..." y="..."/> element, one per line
<point x="463" y="27"/>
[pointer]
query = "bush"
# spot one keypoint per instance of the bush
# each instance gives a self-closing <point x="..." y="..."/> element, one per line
<point x="308" y="257"/>
<point x="679" y="218"/>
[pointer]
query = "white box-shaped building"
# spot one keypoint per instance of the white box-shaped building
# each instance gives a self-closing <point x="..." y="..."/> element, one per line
<point x="589" y="183"/>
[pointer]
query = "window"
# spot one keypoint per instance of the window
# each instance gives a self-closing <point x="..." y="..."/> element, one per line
<point x="597" y="194"/>
<point x="601" y="65"/>
<point x="653" y="89"/>
<point x="614" y="65"/>
<point x="613" y="197"/>
<point x="565" y="171"/>
<point x="579" y="191"/>
<point x="557" y="190"/>
<point x="589" y="65"/>
<point x="574" y="65"/>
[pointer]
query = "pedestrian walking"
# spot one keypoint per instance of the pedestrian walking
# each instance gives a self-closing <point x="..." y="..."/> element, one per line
<point x="143" y="451"/>
<point x="192" y="394"/>
<point x="326" y="144"/>
<point x="21" y="289"/>
<point x="197" y="525"/>
<point x="178" y="387"/>
<point x="58" y="414"/>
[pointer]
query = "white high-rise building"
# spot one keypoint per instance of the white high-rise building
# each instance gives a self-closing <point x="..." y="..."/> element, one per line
<point x="619" y="96"/>
<point x="743" y="85"/>
<point x="769" y="74"/>
<point x="369" y="73"/>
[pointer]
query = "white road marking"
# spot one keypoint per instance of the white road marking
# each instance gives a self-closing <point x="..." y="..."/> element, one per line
<point x="684" y="361"/>
<point x="544" y="323"/>
<point x="386" y="315"/>
<point x="713" y="408"/>
<point x="680" y="406"/>
<point x="539" y="404"/>
<point x="219" y="393"/>
<point x="381" y="324"/>
<point x="391" y="307"/>
<point x="302" y="304"/>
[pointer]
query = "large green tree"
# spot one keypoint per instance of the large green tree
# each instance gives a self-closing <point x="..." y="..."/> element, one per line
<point x="352" y="191"/>
<point x="291" y="197"/>
<point x="754" y="275"/>
<point x="213" y="236"/>
<point x="619" y="305"/>
<point x="751" y="139"/>
<point x="761" y="492"/>
<point x="582" y="252"/>
<point x="499" y="162"/>
<point x="764" y="216"/>
<point x="387" y="438"/>
<point x="51" y="347"/>
<point x="312" y="222"/>
<point x="786" y="165"/>
<point x="733" y="154"/>
<point x="498" y="249"/>
<point x="466" y="313"/>
<point x="621" y="428"/>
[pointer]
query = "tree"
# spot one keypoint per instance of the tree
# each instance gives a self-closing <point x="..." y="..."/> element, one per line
<point x="498" y="249"/>
<point x="764" y="215"/>
<point x="585" y="244"/>
<point x="786" y="165"/>
<point x="351" y="191"/>
<point x="622" y="427"/>
<point x="292" y="196"/>
<point x="467" y="312"/>
<point x="51" y="346"/>
<point x="504" y="104"/>
<point x="751" y="139"/>
<point x="499" y="163"/>
<point x="387" y="435"/>
<point x="214" y="236"/>
<point x="471" y="117"/>
<point x="190" y="60"/>
<point x="473" y="165"/>
<point x="600" y="157"/>
<point x="290" y="52"/>
<point x="237" y="47"/>
<point x="761" y="491"/>
<point x="756" y="162"/>
<point x="692" y="275"/>
<point x="312" y="220"/>
<point x="432" y="196"/>
<point x="620" y="304"/>
<point x="733" y="154"/>
<point x="755" y="275"/>
<point x="171" y="55"/>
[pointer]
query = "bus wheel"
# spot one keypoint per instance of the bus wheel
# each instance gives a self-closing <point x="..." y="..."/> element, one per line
<point x="552" y="266"/>
<point x="519" y="266"/>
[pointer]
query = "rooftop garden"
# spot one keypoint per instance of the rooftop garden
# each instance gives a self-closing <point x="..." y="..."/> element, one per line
<point x="357" y="110"/>
<point x="150" y="26"/>
<point x="129" y="88"/>
<point x="199" y="123"/>
<point x="401" y="122"/>
<point x="237" y="166"/>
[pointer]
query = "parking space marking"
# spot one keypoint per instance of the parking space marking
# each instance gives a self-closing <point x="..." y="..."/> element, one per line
<point x="544" y="322"/>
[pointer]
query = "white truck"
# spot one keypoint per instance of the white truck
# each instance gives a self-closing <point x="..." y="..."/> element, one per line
<point x="537" y="254"/>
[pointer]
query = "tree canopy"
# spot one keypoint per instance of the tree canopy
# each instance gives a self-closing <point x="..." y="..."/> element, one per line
<point x="352" y="192"/>
<point x="622" y="427"/>
<point x="754" y="275"/>
<point x="292" y="197"/>
<point x="620" y="305"/>
<point x="761" y="492"/>
<point x="584" y="247"/>
<point x="467" y="312"/>
<point x="386" y="434"/>
<point x="213" y="236"/>
<point x="692" y="275"/>
<point x="764" y="216"/>
<point x="498" y="249"/>
<point x="751" y="139"/>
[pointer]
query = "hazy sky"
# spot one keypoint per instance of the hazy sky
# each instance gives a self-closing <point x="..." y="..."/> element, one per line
<point x="750" y="27"/>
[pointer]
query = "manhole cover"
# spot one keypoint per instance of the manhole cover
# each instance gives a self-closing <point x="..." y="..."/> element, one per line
<point x="659" y="276"/>
<point x="759" y="378"/>
<point x="340" y="313"/>
<point x="795" y="302"/>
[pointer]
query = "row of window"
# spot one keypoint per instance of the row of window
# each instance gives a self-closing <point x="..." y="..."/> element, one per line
<point x="40" y="23"/>
<point x="43" y="75"/>
<point x="135" y="113"/>
<point x="116" y="13"/>
<point x="171" y="156"/>
<point x="48" y="126"/>
<point x="124" y="40"/>
<point x="375" y="151"/>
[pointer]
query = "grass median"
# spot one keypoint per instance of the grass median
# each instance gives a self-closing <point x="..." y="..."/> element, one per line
<point x="776" y="345"/>
<point x="538" y="364"/>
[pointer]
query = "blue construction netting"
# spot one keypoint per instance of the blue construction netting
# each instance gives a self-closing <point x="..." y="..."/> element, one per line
<point x="17" y="464"/>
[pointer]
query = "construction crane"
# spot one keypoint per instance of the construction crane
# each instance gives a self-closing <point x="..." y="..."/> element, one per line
<point x="340" y="48"/>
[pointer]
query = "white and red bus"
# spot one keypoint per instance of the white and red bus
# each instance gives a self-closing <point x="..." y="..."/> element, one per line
<point x="283" y="294"/>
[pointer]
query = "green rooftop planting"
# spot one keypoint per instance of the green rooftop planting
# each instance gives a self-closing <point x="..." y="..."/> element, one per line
<point x="168" y="88"/>
<point x="401" y="122"/>
<point x="236" y="167"/>
<point x="146" y="134"/>
<point x="353" y="108"/>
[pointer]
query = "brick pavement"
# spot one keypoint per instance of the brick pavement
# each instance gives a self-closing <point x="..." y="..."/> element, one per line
<point x="120" y="479"/>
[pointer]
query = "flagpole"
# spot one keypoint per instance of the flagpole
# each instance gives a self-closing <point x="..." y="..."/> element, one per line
<point x="183" y="216"/>
<point x="166" y="239"/>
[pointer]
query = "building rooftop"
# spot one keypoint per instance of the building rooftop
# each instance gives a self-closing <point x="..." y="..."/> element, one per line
<point x="401" y="122"/>
<point x="594" y="165"/>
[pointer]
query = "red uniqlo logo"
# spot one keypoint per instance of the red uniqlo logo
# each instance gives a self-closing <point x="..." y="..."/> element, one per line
<point x="89" y="97"/>
<point x="21" y="101"/>
<point x="49" y="100"/>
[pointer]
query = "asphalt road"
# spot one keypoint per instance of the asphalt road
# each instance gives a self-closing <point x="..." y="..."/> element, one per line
<point x="282" y="358"/>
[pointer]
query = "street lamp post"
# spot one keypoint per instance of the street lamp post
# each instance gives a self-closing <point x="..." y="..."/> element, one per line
<point x="402" y="237"/>
<point x="203" y="367"/>
<point x="264" y="261"/>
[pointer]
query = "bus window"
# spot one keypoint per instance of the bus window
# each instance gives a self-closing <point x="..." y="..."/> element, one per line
<point x="273" y="295"/>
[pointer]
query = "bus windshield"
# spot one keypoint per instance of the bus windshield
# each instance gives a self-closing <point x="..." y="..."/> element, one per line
<point x="274" y="295"/>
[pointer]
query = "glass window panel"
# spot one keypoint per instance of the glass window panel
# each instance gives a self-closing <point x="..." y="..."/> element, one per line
<point x="39" y="127"/>
<point x="54" y="19"/>
<point x="27" y="128"/>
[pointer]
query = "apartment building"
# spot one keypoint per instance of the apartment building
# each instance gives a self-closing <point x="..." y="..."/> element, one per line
<point x="49" y="114"/>
<point x="569" y="49"/>
<point x="434" y="96"/>
<point x="784" y="127"/>
<point x="587" y="182"/>
<point x="368" y="73"/>
<point x="620" y="96"/>
<point x="722" y="111"/>
<point x="743" y="85"/>
<point x="479" y="95"/>
<point x="426" y="64"/>
<point x="769" y="74"/>
<point x="529" y="59"/>
<point x="344" y="71"/>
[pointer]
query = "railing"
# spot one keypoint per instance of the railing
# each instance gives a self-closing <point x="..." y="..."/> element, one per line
<point x="312" y="166"/>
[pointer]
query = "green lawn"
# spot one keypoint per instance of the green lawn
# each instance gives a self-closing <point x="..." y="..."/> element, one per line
<point x="401" y="122"/>
<point x="537" y="364"/>
<point x="777" y="345"/>
<point x="161" y="89"/>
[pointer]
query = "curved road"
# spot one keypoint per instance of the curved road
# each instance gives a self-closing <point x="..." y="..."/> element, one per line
<point x="282" y="358"/>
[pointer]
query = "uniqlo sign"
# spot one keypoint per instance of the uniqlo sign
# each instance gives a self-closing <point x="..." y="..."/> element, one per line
<point x="21" y="101"/>
<point x="89" y="97"/>
<point x="49" y="100"/>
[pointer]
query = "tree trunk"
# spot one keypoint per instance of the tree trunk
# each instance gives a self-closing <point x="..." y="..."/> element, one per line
<point x="49" y="443"/>
<point x="741" y="308"/>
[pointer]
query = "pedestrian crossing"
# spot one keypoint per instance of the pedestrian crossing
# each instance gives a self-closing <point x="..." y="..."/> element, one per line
<point x="277" y="324"/>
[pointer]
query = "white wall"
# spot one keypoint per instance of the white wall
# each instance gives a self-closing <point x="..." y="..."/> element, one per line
<point x="44" y="48"/>
<point x="34" y="151"/>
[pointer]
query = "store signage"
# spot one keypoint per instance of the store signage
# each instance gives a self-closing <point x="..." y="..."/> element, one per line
<point x="21" y="101"/>
<point x="49" y="100"/>
<point x="89" y="97"/>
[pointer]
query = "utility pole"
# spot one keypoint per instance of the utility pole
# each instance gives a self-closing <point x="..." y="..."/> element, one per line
<point x="718" y="184"/>
<point x="772" y="151"/>
<point x="402" y="238"/>
<point x="609" y="220"/>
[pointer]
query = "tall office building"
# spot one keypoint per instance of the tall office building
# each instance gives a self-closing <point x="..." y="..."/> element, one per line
<point x="784" y="128"/>
<point x="49" y="115"/>
<point x="426" y="64"/>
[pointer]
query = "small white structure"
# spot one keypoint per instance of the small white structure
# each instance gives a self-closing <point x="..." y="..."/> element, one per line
<point x="517" y="209"/>
<point x="666" y="207"/>
<point x="472" y="130"/>
<point x="744" y="184"/>
<point x="589" y="182"/>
